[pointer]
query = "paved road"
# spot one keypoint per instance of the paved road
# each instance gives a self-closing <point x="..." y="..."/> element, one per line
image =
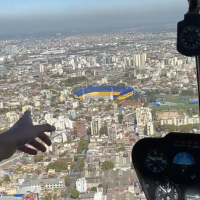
<point x="14" y="159"/>
<point x="74" y="177"/>
<point x="71" y="184"/>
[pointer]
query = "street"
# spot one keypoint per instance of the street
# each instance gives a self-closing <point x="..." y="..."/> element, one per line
<point x="11" y="161"/>
<point x="74" y="177"/>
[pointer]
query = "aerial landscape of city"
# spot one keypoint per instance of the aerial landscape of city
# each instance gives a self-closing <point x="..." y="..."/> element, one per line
<point x="103" y="91"/>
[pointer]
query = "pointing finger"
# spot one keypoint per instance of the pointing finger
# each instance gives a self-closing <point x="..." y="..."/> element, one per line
<point x="27" y="112"/>
<point x="27" y="150"/>
<point x="43" y="128"/>
<point x="44" y="138"/>
<point x="38" y="145"/>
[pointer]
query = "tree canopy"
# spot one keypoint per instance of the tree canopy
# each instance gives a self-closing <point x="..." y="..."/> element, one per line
<point x="63" y="154"/>
<point x="74" y="80"/>
<point x="83" y="145"/>
<point x="189" y="93"/>
<point x="48" y="196"/>
<point x="6" y="178"/>
<point x="183" y="128"/>
<point x="38" y="158"/>
<point x="81" y="164"/>
<point x="108" y="107"/>
<point x="121" y="149"/>
<point x="74" y="193"/>
<point x="107" y="165"/>
<point x="67" y="180"/>
<point x="120" y="118"/>
<point x="94" y="189"/>
<point x="58" y="166"/>
<point x="75" y="158"/>
<point x="103" y="130"/>
<point x="88" y="130"/>
<point x="63" y="193"/>
<point x="100" y="185"/>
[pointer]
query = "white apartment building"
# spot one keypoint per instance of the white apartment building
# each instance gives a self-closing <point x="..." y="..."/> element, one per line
<point x="178" y="121"/>
<point x="81" y="185"/>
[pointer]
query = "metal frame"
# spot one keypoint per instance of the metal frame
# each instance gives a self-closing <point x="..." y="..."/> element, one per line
<point x="193" y="4"/>
<point x="198" y="77"/>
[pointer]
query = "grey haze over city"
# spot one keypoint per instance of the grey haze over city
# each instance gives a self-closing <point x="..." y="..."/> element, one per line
<point x="88" y="16"/>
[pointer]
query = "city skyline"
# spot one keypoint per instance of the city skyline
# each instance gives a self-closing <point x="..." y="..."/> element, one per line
<point x="30" y="17"/>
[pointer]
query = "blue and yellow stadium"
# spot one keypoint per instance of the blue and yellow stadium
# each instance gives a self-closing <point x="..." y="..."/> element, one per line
<point x="107" y="92"/>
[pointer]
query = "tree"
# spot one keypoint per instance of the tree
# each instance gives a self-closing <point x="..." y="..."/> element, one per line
<point x="107" y="165"/>
<point x="81" y="164"/>
<point x="88" y="130"/>
<point x="136" y="96"/>
<point x="81" y="105"/>
<point x="73" y="165"/>
<point x="38" y="158"/>
<point x="75" y="158"/>
<point x="174" y="90"/>
<point x="120" y="118"/>
<point x="48" y="196"/>
<point x="108" y="107"/>
<point x="121" y="149"/>
<point x="54" y="196"/>
<point x="1" y="182"/>
<point x="3" y="110"/>
<point x="76" y="169"/>
<point x="88" y="118"/>
<point x="58" y="166"/>
<point x="6" y="178"/>
<point x="189" y="93"/>
<point x="46" y="87"/>
<point x="63" y="154"/>
<point x="83" y="145"/>
<point x="67" y="180"/>
<point x="74" y="80"/>
<point x="94" y="189"/>
<point x="74" y="193"/>
<point x="63" y="193"/>
<point x="103" y="130"/>
<point x="20" y="170"/>
<point x="100" y="185"/>
<point x="122" y="84"/>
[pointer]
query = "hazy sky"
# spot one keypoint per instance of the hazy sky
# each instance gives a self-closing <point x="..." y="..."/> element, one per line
<point x="32" y="16"/>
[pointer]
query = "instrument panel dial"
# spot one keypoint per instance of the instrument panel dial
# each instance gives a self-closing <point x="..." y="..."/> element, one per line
<point x="167" y="191"/>
<point x="156" y="162"/>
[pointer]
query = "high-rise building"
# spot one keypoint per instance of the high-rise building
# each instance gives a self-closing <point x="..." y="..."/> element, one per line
<point x="1" y="104"/>
<point x="95" y="126"/>
<point x="11" y="49"/>
<point x="42" y="68"/>
<point x="112" y="134"/>
<point x="64" y="137"/>
<point x="136" y="60"/>
<point x="131" y="63"/>
<point x="150" y="129"/>
<point x="108" y="61"/>
<point x="143" y="58"/>
<point x="127" y="61"/>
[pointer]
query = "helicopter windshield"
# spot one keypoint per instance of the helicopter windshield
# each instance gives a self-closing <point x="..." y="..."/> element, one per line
<point x="106" y="74"/>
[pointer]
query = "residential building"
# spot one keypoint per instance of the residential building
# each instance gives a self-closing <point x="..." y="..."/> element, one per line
<point x="81" y="185"/>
